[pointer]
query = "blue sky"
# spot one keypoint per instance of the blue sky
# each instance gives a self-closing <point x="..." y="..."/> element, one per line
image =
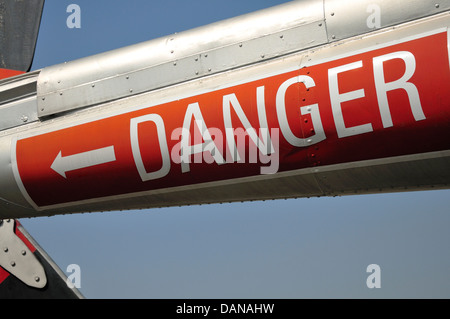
<point x="302" y="248"/>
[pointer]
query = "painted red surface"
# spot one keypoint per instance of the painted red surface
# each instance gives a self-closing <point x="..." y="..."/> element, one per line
<point x="5" y="73"/>
<point x="328" y="113"/>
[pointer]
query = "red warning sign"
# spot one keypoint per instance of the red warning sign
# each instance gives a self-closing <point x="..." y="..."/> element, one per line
<point x="387" y="101"/>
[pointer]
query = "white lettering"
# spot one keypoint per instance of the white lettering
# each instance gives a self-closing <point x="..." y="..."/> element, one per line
<point x="338" y="98"/>
<point x="263" y="145"/>
<point x="310" y="109"/>
<point x="193" y="112"/>
<point x="193" y="309"/>
<point x="246" y="308"/>
<point x="135" y="146"/>
<point x="382" y="87"/>
<point x="203" y="144"/>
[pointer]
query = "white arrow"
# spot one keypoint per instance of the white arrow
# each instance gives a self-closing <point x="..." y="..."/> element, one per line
<point x="61" y="164"/>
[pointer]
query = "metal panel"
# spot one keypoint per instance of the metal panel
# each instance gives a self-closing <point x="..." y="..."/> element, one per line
<point x="349" y="18"/>
<point x="181" y="57"/>
<point x="181" y="70"/>
<point x="18" y="104"/>
<point x="57" y="282"/>
<point x="18" y="113"/>
<point x="18" y="259"/>
<point x="393" y="34"/>
<point x="15" y="88"/>
<point x="218" y="47"/>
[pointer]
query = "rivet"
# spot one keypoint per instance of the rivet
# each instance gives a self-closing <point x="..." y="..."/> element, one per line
<point x="37" y="279"/>
<point x="24" y="118"/>
<point x="174" y="63"/>
<point x="131" y="90"/>
<point x="333" y="37"/>
<point x="262" y="56"/>
<point x="93" y="85"/>
<point x="5" y="249"/>
<point x="206" y="55"/>
<point x="332" y="13"/>
<point x="320" y="24"/>
<point x="127" y="77"/>
<point x="437" y="5"/>
<point x="240" y="45"/>
<point x="209" y="69"/>
<point x="43" y="99"/>
<point x="60" y="93"/>
<point x="24" y="252"/>
<point x="281" y="36"/>
<point x="196" y="72"/>
<point x="309" y="140"/>
<point x="171" y="51"/>
<point x="13" y="263"/>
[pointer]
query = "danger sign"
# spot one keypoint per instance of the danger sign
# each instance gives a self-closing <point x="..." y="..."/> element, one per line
<point x="384" y="102"/>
